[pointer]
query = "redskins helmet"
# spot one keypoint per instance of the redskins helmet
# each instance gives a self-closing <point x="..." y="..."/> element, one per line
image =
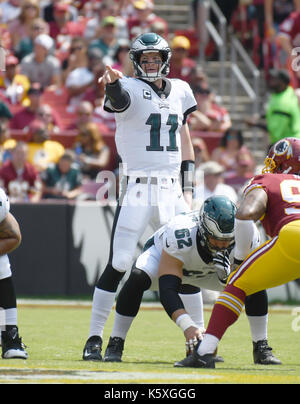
<point x="217" y="216"/>
<point x="283" y="157"/>
<point x="150" y="42"/>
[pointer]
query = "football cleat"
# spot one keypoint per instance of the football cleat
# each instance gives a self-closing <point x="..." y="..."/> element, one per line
<point x="114" y="350"/>
<point x="92" y="349"/>
<point x="262" y="354"/>
<point x="12" y="345"/>
<point x="196" y="361"/>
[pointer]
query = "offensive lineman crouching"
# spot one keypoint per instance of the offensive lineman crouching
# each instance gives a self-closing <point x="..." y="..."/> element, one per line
<point x="192" y="249"/>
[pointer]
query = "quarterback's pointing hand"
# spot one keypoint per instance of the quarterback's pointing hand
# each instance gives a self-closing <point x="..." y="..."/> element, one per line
<point x="110" y="76"/>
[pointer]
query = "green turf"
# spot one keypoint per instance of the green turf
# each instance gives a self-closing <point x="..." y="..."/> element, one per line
<point x="55" y="337"/>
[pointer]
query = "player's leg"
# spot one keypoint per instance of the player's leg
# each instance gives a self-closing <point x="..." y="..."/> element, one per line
<point x="256" y="308"/>
<point x="262" y="269"/>
<point x="128" y="305"/>
<point x="129" y="300"/>
<point x="12" y="346"/>
<point x="129" y="224"/>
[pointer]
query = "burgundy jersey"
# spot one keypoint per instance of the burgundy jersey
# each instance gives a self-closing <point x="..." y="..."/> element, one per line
<point x="283" y="206"/>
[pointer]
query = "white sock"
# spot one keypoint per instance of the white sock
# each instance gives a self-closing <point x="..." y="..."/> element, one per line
<point x="121" y="326"/>
<point x="102" y="304"/>
<point x="193" y="304"/>
<point x="208" y="345"/>
<point x="8" y="317"/>
<point x="258" y="327"/>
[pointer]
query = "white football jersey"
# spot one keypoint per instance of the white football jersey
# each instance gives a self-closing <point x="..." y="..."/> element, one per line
<point x="4" y="205"/>
<point x="148" y="131"/>
<point x="179" y="239"/>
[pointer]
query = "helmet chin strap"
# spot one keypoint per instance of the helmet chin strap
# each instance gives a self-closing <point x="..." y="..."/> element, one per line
<point x="148" y="76"/>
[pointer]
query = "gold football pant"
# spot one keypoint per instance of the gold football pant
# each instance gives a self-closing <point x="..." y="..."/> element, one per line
<point x="274" y="263"/>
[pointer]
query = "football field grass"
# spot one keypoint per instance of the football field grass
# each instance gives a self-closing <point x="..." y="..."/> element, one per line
<point x="55" y="336"/>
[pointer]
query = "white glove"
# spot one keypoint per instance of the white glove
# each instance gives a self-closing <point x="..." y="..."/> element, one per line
<point x="222" y="263"/>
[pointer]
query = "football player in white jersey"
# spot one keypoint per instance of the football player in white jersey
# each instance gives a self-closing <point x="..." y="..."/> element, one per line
<point x="10" y="238"/>
<point x="153" y="141"/>
<point x="191" y="249"/>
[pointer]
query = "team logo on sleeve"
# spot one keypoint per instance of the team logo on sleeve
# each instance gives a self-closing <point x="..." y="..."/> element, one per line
<point x="147" y="94"/>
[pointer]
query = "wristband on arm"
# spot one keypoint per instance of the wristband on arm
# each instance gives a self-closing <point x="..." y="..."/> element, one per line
<point x="187" y="172"/>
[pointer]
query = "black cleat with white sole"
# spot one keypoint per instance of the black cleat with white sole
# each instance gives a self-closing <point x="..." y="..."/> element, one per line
<point x="12" y="345"/>
<point x="92" y="349"/>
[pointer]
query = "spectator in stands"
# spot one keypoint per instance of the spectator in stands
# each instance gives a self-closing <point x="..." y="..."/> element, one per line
<point x="20" y="27"/>
<point x="92" y="153"/>
<point x="77" y="56"/>
<point x="41" y="150"/>
<point x="13" y="85"/>
<point x="200" y="150"/>
<point x="181" y="66"/>
<point x="40" y="66"/>
<point x="275" y="12"/>
<point x="26" y="44"/>
<point x="282" y="110"/>
<point x="101" y="10"/>
<point x="5" y="114"/>
<point x="289" y="38"/>
<point x="95" y="92"/>
<point x="6" y="144"/>
<point x="19" y="178"/>
<point x="235" y="157"/>
<point x="210" y="182"/>
<point x="62" y="180"/>
<point x="198" y="78"/>
<point x="27" y="114"/>
<point x="84" y="116"/>
<point x="10" y="10"/>
<point x="209" y="115"/>
<point x="62" y="28"/>
<point x="107" y="41"/>
<point x="76" y="84"/>
<point x="159" y="28"/>
<point x="144" y="18"/>
<point x="46" y="115"/>
<point x="121" y="58"/>
<point x="47" y="11"/>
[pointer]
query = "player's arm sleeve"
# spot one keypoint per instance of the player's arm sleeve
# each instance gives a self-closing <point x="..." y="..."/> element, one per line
<point x="169" y="286"/>
<point x="117" y="98"/>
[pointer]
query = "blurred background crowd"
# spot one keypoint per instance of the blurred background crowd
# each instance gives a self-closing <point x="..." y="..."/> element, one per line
<point x="55" y="136"/>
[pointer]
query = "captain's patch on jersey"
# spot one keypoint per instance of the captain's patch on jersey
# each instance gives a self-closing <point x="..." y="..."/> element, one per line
<point x="147" y="94"/>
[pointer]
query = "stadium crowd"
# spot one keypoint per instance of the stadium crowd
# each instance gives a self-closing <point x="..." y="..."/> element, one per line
<point x="55" y="136"/>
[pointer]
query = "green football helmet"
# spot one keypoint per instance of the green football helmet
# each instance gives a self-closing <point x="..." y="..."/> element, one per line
<point x="150" y="42"/>
<point x="217" y="216"/>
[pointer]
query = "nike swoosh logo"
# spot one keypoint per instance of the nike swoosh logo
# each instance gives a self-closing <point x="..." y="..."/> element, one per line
<point x="167" y="245"/>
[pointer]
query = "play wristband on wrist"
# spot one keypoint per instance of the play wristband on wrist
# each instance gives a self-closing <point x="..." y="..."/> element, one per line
<point x="184" y="322"/>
